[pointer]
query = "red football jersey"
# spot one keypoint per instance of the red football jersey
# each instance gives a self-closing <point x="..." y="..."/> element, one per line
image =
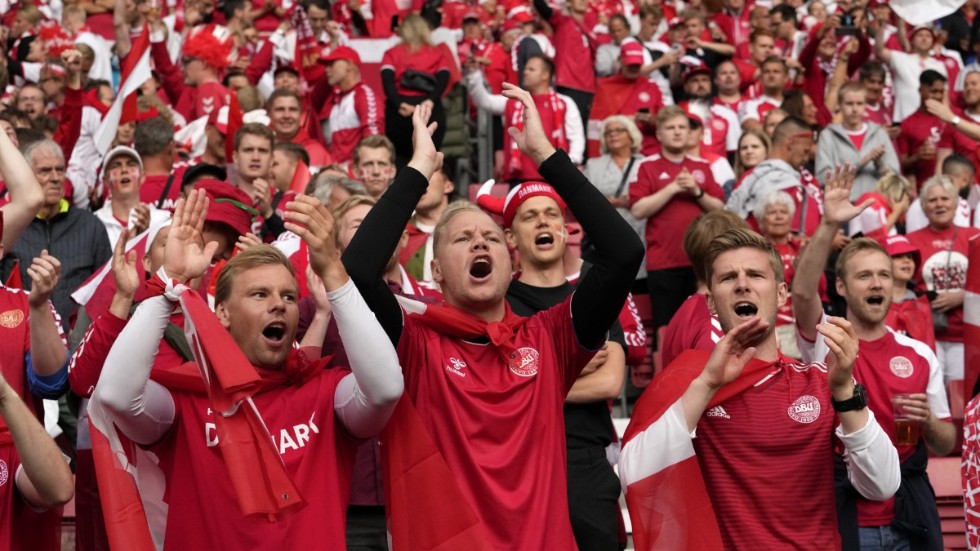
<point x="893" y="364"/>
<point x="944" y="268"/>
<point x="751" y="446"/>
<point x="916" y="129"/>
<point x="501" y="427"/>
<point x="21" y="527"/>
<point x="881" y="113"/>
<point x="316" y="449"/>
<point x="665" y="229"/>
<point x="692" y="327"/>
<point x="576" y="45"/>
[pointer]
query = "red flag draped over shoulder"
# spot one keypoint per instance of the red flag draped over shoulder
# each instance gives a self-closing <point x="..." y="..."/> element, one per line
<point x="668" y="501"/>
<point x="971" y="319"/>
<point x="132" y="485"/>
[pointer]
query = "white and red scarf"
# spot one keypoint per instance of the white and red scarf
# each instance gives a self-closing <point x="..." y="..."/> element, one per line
<point x="558" y="136"/>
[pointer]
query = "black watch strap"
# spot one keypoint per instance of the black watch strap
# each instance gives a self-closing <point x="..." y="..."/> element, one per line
<point x="859" y="400"/>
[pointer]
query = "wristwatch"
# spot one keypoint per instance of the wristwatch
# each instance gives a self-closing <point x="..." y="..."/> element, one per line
<point x="859" y="400"/>
<point x="956" y="120"/>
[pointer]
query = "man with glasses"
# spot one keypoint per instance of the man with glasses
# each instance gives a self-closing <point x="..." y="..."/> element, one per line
<point x="194" y="88"/>
<point x="374" y="164"/>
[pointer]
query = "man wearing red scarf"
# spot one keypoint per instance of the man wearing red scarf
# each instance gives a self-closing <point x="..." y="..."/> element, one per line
<point x="476" y="374"/>
<point x="707" y="440"/>
<point x="559" y="116"/>
<point x="258" y="453"/>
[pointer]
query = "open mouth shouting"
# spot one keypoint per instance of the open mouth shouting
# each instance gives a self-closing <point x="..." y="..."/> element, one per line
<point x="275" y="333"/>
<point x="875" y="301"/>
<point x="481" y="268"/>
<point x="544" y="240"/>
<point x="745" y="310"/>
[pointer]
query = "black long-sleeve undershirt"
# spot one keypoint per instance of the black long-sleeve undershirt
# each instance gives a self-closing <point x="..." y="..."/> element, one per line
<point x="618" y="251"/>
<point x="372" y="246"/>
<point x="600" y="294"/>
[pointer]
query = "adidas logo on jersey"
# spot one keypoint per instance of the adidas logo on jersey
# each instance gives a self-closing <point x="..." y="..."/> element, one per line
<point x="718" y="411"/>
<point x="664" y="175"/>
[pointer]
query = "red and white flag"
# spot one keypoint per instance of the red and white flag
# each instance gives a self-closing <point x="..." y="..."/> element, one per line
<point x="135" y="71"/>
<point x="668" y="501"/>
<point x="971" y="320"/>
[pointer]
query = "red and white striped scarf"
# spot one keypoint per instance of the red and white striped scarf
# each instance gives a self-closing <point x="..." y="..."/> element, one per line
<point x="557" y="135"/>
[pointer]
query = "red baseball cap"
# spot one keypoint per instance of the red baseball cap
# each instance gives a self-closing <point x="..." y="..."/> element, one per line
<point x="228" y="205"/>
<point x="631" y="53"/>
<point x="507" y="207"/>
<point x="340" y="52"/>
<point x="698" y="69"/>
<point x="899" y="244"/>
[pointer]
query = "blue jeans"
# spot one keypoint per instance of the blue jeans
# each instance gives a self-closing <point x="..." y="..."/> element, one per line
<point x="882" y="538"/>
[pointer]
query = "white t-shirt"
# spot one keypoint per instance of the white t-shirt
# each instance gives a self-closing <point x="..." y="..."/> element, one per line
<point x="906" y="69"/>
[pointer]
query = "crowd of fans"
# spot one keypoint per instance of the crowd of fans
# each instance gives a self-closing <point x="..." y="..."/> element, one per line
<point x="259" y="151"/>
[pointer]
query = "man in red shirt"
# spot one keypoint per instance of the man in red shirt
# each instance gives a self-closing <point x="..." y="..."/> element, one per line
<point x="194" y="89"/>
<point x="576" y="45"/>
<point x="721" y="126"/>
<point x="924" y="139"/>
<point x="879" y="98"/>
<point x="285" y="108"/>
<point x="749" y="416"/>
<point x="670" y="190"/>
<point x="351" y="110"/>
<point x="762" y="46"/>
<point x="728" y="83"/>
<point x="558" y="112"/>
<point x="896" y="370"/>
<point x="733" y="20"/>
<point x="628" y="93"/>
<point x="475" y="400"/>
<point x="315" y="415"/>
<point x="774" y="76"/>
<point x="694" y="326"/>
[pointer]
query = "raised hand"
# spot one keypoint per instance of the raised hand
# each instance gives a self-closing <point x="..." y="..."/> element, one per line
<point x="837" y="206"/>
<point x="839" y="336"/>
<point x="124" y="267"/>
<point x="246" y="241"/>
<point x="44" y="273"/>
<point x="309" y="219"/>
<point x="141" y="218"/>
<point x="425" y="158"/>
<point x="532" y="141"/>
<point x="186" y="256"/>
<point x="732" y="353"/>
